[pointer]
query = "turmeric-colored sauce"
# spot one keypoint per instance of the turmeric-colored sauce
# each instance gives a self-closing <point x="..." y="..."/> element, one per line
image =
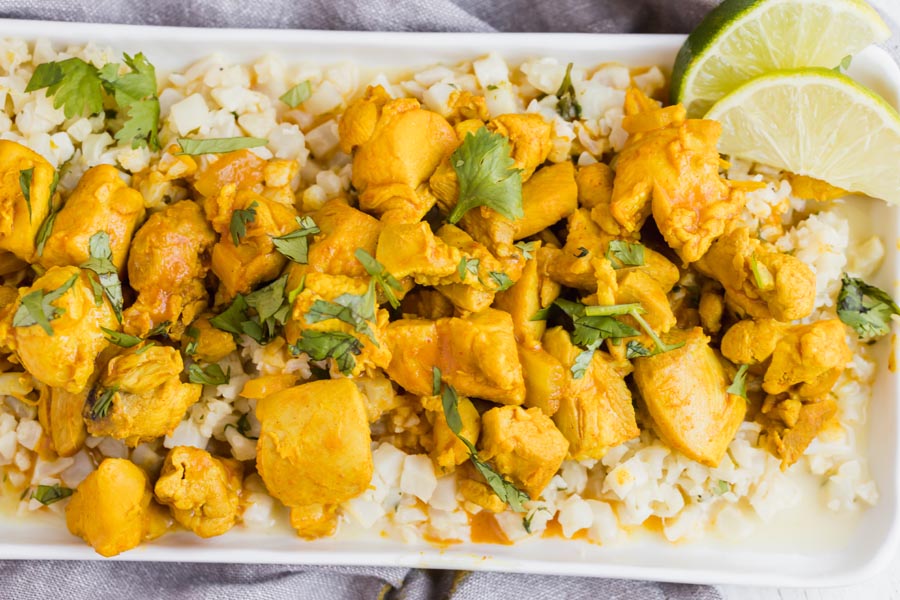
<point x="441" y="542"/>
<point x="892" y="355"/>
<point x="554" y="529"/>
<point x="484" y="529"/>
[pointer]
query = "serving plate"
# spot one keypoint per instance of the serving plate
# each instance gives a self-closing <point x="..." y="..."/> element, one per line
<point x="800" y="547"/>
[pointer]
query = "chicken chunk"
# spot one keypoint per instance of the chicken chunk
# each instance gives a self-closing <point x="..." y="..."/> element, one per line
<point x="202" y="491"/>
<point x="759" y="282"/>
<point x="447" y="449"/>
<point x="684" y="391"/>
<point x="344" y="230"/>
<point x="63" y="420"/>
<point x="167" y="265"/>
<point x="396" y="147"/>
<point x="524" y="445"/>
<point x="546" y="379"/>
<point x="477" y="355"/>
<point x="65" y="358"/>
<point x="21" y="217"/>
<point x="529" y="137"/>
<point x="549" y="196"/>
<point x="523" y="301"/>
<point x="595" y="411"/>
<point x="595" y="187"/>
<point x="242" y="168"/>
<point x="207" y="343"/>
<point x="806" y="359"/>
<point x="412" y="250"/>
<point x="314" y="446"/>
<point x="670" y="167"/>
<point x="143" y="395"/>
<point x="788" y="438"/>
<point x="253" y="259"/>
<point x="100" y="202"/>
<point x="113" y="508"/>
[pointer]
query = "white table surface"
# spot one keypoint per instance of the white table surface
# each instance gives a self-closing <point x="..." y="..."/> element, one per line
<point x="885" y="586"/>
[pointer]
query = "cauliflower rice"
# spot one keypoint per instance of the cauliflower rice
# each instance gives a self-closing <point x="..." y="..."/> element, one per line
<point x="639" y="483"/>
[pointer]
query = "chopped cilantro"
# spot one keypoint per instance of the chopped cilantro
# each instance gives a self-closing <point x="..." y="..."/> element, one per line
<point x="295" y="245"/>
<point x="239" y="220"/>
<point x="526" y="248"/>
<point x="298" y="94"/>
<point x="120" y="338"/>
<point x="865" y="308"/>
<point x="567" y="104"/>
<point x="25" y="178"/>
<point x="48" y="494"/>
<point x="36" y="307"/>
<point x="387" y="282"/>
<point x="208" y="375"/>
<point x="340" y="346"/>
<point x="738" y="387"/>
<point x="625" y="254"/>
<point x="502" y="280"/>
<point x="194" y="147"/>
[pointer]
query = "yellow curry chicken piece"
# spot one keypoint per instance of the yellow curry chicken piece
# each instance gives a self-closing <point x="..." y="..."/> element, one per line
<point x="210" y="345"/>
<point x="113" y="509"/>
<point x="760" y="282"/>
<point x="685" y="393"/>
<point x="59" y="412"/>
<point x="670" y="167"/>
<point x="167" y="264"/>
<point x="447" y="450"/>
<point x="344" y="230"/>
<point x="806" y="359"/>
<point x="202" y="491"/>
<point x="64" y="358"/>
<point x="143" y="394"/>
<point x="595" y="411"/>
<point x="314" y="448"/>
<point x="21" y="217"/>
<point x="524" y="445"/>
<point x="100" y="202"/>
<point x="396" y="147"/>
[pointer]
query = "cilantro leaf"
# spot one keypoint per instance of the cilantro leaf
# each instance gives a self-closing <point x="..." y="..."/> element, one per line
<point x="239" y="220"/>
<point x="48" y="494"/>
<point x="25" y="177"/>
<point x="36" y="308"/>
<point x="502" y="280"/>
<point x="298" y="94"/>
<point x="120" y="338"/>
<point x="526" y="248"/>
<point x="582" y="252"/>
<point x="191" y="348"/>
<point x="135" y="95"/>
<point x="526" y="520"/>
<point x="272" y="310"/>
<point x="74" y="84"/>
<point x="46" y="228"/>
<point x="504" y="489"/>
<point x="567" y="106"/>
<point x="583" y="361"/>
<point x="107" y="276"/>
<point x="387" y="282"/>
<point x="142" y="124"/>
<point x="101" y="404"/>
<point x="635" y="349"/>
<point x="349" y="308"/>
<point x="467" y="265"/>
<point x="738" y="387"/>
<point x="231" y="318"/>
<point x="865" y="308"/>
<point x="625" y="254"/>
<point x="541" y="314"/>
<point x="340" y="346"/>
<point x="487" y="176"/>
<point x="295" y="245"/>
<point x="435" y="381"/>
<point x="591" y="329"/>
<point x="218" y="145"/>
<point x="209" y="375"/>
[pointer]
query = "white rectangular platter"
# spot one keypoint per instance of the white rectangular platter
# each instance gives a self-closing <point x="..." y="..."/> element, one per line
<point x="799" y="548"/>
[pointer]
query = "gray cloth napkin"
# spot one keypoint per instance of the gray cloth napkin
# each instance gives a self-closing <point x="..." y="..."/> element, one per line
<point x="139" y="581"/>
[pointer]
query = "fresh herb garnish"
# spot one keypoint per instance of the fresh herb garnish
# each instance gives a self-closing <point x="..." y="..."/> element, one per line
<point x="505" y="490"/>
<point x="541" y="314"/>
<point x="295" y="245"/>
<point x="761" y="275"/>
<point x="844" y="64"/>
<point x="243" y="427"/>
<point x="46" y="228"/>
<point x="161" y="329"/>
<point x="625" y="254"/>
<point x="738" y="386"/>
<point x="567" y="106"/>
<point x="105" y="278"/>
<point x="36" y="307"/>
<point x="208" y="375"/>
<point x="467" y="265"/>
<point x="120" y="338"/>
<point x="502" y="280"/>
<point x="194" y="147"/>
<point x="487" y="176"/>
<point x="297" y="95"/>
<point x="25" y="178"/>
<point x="48" y="494"/>
<point x="635" y="349"/>
<point x="348" y="308"/>
<point x="191" y="348"/>
<point x="239" y="220"/>
<point x="591" y="329"/>
<point x="583" y="361"/>
<point x="103" y="403"/>
<point x="272" y="310"/>
<point x="582" y="252"/>
<point x="526" y="520"/>
<point x="387" y="282"/>
<point x="340" y="346"/>
<point x="526" y="248"/>
<point x="865" y="308"/>
<point x="79" y="86"/>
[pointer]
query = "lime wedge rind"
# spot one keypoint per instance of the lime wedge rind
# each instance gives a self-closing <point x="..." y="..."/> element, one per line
<point x="815" y="122"/>
<point x="742" y="39"/>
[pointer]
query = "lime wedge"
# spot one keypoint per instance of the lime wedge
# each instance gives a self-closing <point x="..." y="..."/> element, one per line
<point x="815" y="122"/>
<point x="741" y="39"/>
